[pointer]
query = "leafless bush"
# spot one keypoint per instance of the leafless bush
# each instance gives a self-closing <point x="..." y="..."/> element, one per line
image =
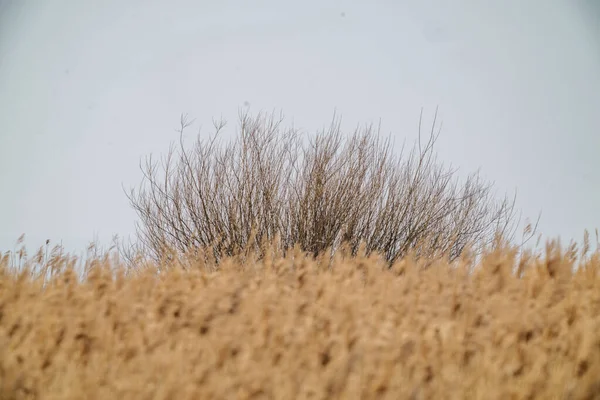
<point x="271" y="184"/>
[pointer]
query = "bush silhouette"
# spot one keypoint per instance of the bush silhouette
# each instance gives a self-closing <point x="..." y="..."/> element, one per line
<point x="274" y="184"/>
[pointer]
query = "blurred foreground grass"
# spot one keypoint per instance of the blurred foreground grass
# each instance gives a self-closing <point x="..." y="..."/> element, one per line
<point x="292" y="327"/>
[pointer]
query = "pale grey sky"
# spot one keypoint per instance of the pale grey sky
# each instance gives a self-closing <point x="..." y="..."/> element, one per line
<point x="87" y="88"/>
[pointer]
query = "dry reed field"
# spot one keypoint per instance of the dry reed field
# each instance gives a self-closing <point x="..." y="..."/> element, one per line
<point x="280" y="266"/>
<point x="297" y="327"/>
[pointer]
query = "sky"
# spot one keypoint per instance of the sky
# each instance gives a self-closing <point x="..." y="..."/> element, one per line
<point x="88" y="88"/>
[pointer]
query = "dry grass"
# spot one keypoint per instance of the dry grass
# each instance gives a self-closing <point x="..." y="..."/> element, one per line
<point x="292" y="328"/>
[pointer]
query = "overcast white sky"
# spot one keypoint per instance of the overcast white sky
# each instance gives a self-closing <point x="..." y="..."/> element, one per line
<point x="87" y="88"/>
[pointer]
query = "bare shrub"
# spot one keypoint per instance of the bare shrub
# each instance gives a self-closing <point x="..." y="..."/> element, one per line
<point x="274" y="184"/>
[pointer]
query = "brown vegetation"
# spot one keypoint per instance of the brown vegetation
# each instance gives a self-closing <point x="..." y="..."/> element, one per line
<point x="296" y="327"/>
<point x="317" y="193"/>
<point x="275" y="268"/>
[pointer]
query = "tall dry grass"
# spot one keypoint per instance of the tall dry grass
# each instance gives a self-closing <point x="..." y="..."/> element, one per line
<point x="296" y="327"/>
